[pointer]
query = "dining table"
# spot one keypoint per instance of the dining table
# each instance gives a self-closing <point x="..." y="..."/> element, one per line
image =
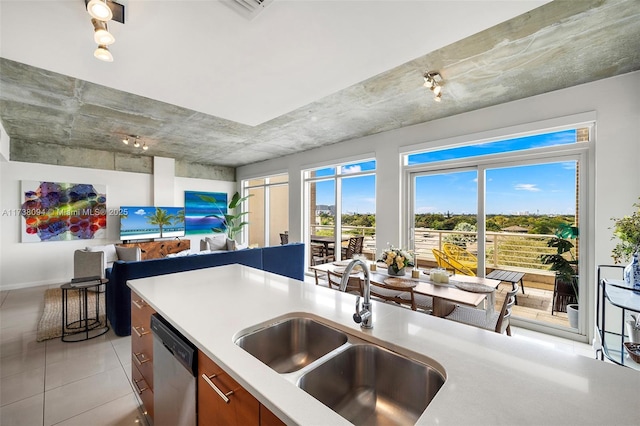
<point x="326" y="241"/>
<point x="461" y="289"/>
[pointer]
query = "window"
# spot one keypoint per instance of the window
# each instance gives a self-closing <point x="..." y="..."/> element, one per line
<point x="268" y="208"/>
<point x="340" y="204"/>
<point x="502" y="201"/>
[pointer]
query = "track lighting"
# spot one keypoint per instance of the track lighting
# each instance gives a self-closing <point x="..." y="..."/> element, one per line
<point x="136" y="142"/>
<point x="101" y="34"/>
<point x="433" y="81"/>
<point x="102" y="53"/>
<point x="100" y="10"/>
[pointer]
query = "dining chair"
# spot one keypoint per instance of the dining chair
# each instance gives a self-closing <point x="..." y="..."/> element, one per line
<point x="391" y="293"/>
<point x="354" y="284"/>
<point x="353" y="247"/>
<point x="420" y="301"/>
<point x="464" y="257"/>
<point x="496" y="321"/>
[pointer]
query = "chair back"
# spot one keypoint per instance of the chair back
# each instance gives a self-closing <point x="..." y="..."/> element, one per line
<point x="354" y="284"/>
<point x="453" y="251"/>
<point x="451" y="264"/>
<point x="88" y="264"/>
<point x="391" y="293"/>
<point x="284" y="239"/>
<point x="354" y="247"/>
<point x="503" y="319"/>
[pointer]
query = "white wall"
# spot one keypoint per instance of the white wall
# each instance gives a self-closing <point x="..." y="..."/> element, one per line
<point x="29" y="264"/>
<point x="613" y="168"/>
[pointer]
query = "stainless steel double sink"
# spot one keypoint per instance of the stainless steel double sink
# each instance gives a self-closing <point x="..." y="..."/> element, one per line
<point x="364" y="382"/>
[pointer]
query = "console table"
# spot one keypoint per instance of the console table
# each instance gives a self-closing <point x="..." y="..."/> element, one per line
<point x="619" y="296"/>
<point x="160" y="249"/>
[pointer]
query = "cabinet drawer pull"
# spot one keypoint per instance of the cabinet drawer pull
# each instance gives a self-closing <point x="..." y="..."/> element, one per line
<point x="215" y="388"/>
<point x="142" y="332"/>
<point x="140" y="304"/>
<point x="146" y="359"/>
<point x="135" y="382"/>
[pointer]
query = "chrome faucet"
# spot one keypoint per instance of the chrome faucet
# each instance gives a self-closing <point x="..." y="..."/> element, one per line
<point x="364" y="316"/>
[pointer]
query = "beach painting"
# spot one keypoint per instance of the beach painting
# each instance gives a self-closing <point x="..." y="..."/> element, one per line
<point x="200" y="208"/>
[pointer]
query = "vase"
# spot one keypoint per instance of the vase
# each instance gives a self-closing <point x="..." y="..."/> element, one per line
<point x="632" y="272"/>
<point x="392" y="271"/>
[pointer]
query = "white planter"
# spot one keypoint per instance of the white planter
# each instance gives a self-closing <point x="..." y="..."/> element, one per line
<point x="572" y="313"/>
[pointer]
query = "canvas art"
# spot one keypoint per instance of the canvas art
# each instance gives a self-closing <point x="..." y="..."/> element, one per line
<point x="204" y="211"/>
<point x="60" y="211"/>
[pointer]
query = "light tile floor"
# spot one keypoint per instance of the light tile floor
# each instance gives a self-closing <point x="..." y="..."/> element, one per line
<point x="88" y="383"/>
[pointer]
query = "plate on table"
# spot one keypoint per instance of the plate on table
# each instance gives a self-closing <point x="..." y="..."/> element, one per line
<point x="400" y="282"/>
<point x="341" y="262"/>
<point x="474" y="287"/>
<point x="341" y="269"/>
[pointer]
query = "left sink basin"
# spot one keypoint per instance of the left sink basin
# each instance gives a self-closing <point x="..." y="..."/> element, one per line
<point x="291" y="344"/>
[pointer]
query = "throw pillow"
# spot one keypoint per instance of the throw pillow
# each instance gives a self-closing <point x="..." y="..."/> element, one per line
<point x="109" y="250"/>
<point x="217" y="242"/>
<point x="231" y="244"/>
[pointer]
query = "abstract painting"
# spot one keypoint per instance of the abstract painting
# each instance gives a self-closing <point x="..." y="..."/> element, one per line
<point x="203" y="211"/>
<point x="57" y="211"/>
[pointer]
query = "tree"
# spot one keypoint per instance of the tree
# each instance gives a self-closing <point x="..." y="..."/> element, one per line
<point x="161" y="218"/>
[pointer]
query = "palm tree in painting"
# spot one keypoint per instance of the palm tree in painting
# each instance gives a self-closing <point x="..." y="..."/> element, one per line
<point x="160" y="218"/>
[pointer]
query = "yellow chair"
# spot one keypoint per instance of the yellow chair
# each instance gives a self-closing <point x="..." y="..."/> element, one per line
<point x="462" y="256"/>
<point x="450" y="264"/>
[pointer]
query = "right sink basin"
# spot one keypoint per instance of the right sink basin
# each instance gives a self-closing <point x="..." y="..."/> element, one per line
<point x="369" y="385"/>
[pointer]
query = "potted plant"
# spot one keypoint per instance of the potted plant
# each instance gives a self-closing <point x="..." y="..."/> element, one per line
<point x="565" y="265"/>
<point x="627" y="231"/>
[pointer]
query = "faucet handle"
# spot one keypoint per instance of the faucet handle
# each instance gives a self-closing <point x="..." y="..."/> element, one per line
<point x="356" y="317"/>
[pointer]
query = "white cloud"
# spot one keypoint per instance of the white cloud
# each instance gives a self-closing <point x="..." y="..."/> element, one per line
<point x="141" y="212"/>
<point x="531" y="187"/>
<point x="351" y="169"/>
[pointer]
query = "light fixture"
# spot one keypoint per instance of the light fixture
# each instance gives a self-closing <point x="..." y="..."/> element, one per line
<point x="101" y="12"/>
<point x="99" y="9"/>
<point x="136" y="142"/>
<point x="102" y="53"/>
<point x="433" y="81"/>
<point x="101" y="34"/>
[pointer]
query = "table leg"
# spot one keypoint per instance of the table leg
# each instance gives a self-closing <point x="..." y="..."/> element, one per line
<point x="442" y="307"/>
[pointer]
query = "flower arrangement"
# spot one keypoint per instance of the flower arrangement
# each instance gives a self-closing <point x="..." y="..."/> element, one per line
<point x="627" y="230"/>
<point x="396" y="259"/>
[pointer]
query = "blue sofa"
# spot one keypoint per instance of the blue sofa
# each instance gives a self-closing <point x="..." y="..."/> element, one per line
<point x="286" y="260"/>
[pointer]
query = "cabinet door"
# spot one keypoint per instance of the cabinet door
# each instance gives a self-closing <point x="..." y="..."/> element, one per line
<point x="267" y="418"/>
<point x="143" y="390"/>
<point x="142" y="350"/>
<point x="241" y="409"/>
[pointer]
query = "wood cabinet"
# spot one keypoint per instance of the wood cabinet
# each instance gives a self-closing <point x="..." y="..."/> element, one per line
<point x="160" y="249"/>
<point x="142" y="351"/>
<point x="222" y="401"/>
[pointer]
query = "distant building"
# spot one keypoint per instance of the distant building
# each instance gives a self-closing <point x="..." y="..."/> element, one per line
<point x="326" y="209"/>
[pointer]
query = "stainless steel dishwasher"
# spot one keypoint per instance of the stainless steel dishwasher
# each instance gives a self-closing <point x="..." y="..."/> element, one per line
<point x="174" y="376"/>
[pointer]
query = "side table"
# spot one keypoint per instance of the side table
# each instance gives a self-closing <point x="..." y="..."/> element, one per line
<point x="88" y="324"/>
<point x="512" y="277"/>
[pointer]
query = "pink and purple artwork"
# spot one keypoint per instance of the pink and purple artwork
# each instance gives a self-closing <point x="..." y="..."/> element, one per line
<point x="55" y="211"/>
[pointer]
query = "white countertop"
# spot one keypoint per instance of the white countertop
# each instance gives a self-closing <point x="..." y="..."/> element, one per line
<point x="490" y="378"/>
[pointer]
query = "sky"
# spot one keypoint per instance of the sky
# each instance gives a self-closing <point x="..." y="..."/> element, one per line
<point x="533" y="189"/>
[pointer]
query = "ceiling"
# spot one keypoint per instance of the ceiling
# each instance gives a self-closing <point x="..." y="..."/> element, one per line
<point x="204" y="84"/>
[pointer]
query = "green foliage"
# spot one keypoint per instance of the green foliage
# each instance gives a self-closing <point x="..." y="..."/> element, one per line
<point x="161" y="218"/>
<point x="462" y="239"/>
<point x="232" y="223"/>
<point x="627" y="230"/>
<point x="563" y="262"/>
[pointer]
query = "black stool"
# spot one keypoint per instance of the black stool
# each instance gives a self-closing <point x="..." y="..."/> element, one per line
<point x="87" y="325"/>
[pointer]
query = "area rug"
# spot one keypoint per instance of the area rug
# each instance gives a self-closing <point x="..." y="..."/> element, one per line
<point x="50" y="325"/>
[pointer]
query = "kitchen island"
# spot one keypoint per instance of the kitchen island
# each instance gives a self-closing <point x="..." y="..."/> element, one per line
<point x="490" y="378"/>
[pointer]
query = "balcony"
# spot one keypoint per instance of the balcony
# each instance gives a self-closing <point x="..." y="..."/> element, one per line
<point x="504" y="250"/>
